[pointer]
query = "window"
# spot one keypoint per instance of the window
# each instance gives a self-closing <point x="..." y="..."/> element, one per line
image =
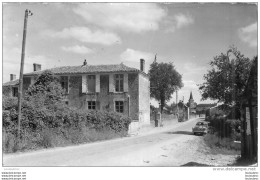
<point x="15" y="91"/>
<point x="119" y="82"/>
<point x="65" y="83"/>
<point x="119" y="106"/>
<point x="91" y="104"/>
<point x="91" y="83"/>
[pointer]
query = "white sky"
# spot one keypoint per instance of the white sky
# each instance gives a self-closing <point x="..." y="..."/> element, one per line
<point x="187" y="34"/>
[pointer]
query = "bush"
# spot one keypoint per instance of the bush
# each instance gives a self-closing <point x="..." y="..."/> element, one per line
<point x="213" y="141"/>
<point x="48" y="122"/>
<point x="59" y="125"/>
<point x="225" y="127"/>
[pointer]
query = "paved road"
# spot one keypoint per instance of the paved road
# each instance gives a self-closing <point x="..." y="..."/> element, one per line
<point x="143" y="150"/>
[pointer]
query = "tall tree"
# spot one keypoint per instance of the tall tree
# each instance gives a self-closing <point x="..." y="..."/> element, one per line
<point x="226" y="80"/>
<point x="164" y="80"/>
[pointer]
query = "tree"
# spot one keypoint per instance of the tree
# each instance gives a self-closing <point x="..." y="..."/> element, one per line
<point x="164" y="80"/>
<point x="226" y="80"/>
<point x="46" y="90"/>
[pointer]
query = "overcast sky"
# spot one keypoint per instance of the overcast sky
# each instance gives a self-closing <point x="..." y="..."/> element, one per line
<point x="187" y="34"/>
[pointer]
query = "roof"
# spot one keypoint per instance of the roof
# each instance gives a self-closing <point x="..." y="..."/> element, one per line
<point x="191" y="97"/>
<point x="206" y="105"/>
<point x="12" y="83"/>
<point x="89" y="69"/>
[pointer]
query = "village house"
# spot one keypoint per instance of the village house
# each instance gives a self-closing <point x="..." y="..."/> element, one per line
<point x="99" y="87"/>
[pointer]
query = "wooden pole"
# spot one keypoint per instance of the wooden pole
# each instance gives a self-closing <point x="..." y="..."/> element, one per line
<point x="20" y="91"/>
<point x="233" y="88"/>
<point x="177" y="104"/>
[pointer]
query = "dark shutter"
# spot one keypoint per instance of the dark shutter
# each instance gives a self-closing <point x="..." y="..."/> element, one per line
<point x="98" y="105"/>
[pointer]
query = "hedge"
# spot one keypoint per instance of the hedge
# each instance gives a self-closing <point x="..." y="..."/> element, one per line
<point x="62" y="122"/>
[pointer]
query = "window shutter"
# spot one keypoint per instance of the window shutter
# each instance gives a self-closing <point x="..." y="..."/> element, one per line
<point x="32" y="80"/>
<point x="97" y="105"/>
<point x="125" y="82"/>
<point x="111" y="83"/>
<point x="84" y="84"/>
<point x="125" y="107"/>
<point x="98" y="83"/>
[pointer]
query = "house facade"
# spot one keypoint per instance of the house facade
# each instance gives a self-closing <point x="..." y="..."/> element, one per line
<point x="116" y="88"/>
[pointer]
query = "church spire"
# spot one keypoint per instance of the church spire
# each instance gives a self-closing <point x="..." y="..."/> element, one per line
<point x="191" y="95"/>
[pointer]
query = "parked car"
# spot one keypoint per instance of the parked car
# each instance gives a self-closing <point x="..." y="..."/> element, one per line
<point x="200" y="128"/>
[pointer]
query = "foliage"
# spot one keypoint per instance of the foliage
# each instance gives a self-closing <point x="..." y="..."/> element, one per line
<point x="221" y="145"/>
<point x="47" y="121"/>
<point x="9" y="102"/>
<point x="220" y="83"/>
<point x="170" y="108"/>
<point x="46" y="90"/>
<point x="152" y="108"/>
<point x="225" y="127"/>
<point x="164" y="80"/>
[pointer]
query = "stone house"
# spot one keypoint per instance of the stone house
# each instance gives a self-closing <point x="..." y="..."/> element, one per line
<point x="101" y="87"/>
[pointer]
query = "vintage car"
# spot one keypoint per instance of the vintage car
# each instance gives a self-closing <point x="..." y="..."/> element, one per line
<point x="200" y="128"/>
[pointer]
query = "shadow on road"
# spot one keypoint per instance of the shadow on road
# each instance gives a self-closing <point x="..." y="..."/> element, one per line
<point x="243" y="162"/>
<point x="190" y="164"/>
<point x="180" y="132"/>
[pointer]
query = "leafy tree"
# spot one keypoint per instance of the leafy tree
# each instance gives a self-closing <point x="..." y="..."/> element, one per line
<point x="164" y="80"/>
<point x="226" y="80"/>
<point x="46" y="90"/>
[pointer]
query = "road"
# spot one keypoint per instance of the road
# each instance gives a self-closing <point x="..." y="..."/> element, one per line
<point x="172" y="146"/>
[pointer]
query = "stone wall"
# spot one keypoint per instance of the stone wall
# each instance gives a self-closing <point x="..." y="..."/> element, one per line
<point x="75" y="96"/>
<point x="144" y="99"/>
<point x="133" y="93"/>
<point x="105" y="100"/>
<point x="138" y="97"/>
<point x="26" y="83"/>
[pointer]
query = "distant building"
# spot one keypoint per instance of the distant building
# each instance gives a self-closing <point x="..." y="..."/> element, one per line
<point x="191" y="104"/>
<point x="202" y="108"/>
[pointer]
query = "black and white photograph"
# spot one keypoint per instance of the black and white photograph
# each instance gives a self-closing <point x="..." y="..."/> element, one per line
<point x="89" y="86"/>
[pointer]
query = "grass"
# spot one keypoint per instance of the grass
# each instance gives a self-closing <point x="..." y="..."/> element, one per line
<point x="49" y="138"/>
<point x="221" y="145"/>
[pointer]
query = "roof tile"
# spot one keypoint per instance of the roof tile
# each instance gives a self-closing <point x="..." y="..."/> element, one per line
<point x="89" y="69"/>
<point x="12" y="83"/>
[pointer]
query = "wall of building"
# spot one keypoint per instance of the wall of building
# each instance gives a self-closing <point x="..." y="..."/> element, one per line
<point x="26" y="83"/>
<point x="75" y="95"/>
<point x="133" y="81"/>
<point x="138" y="94"/>
<point x="105" y="100"/>
<point x="144" y="99"/>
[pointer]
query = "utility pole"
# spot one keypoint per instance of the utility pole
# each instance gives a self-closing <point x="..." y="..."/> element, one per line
<point x="233" y="89"/>
<point x="177" y="104"/>
<point x="20" y="92"/>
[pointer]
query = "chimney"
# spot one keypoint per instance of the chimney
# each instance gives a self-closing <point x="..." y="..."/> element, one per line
<point x="85" y="62"/>
<point x="142" y="65"/>
<point x="12" y="77"/>
<point x="36" y="67"/>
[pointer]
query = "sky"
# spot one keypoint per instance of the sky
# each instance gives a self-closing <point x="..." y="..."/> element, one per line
<point x="189" y="35"/>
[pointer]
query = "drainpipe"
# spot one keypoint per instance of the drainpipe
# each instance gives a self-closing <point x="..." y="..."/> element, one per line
<point x="128" y="98"/>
